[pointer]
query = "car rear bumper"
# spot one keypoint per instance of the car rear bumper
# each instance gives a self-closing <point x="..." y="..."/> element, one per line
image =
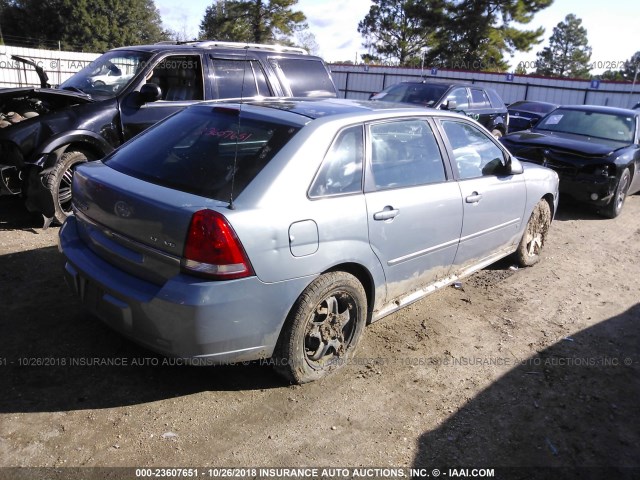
<point x="203" y="322"/>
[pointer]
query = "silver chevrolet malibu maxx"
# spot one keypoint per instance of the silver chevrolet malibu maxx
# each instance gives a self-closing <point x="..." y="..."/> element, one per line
<point x="279" y="229"/>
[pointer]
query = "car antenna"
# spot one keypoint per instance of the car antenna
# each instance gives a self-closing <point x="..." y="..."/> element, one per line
<point x="235" y="154"/>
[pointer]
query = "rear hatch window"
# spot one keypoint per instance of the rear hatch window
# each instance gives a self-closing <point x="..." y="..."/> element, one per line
<point x="207" y="151"/>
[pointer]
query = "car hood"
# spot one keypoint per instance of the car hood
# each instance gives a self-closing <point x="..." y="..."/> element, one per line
<point x="42" y="75"/>
<point x="43" y="94"/>
<point x="577" y="144"/>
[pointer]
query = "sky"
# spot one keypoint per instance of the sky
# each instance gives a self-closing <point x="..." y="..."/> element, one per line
<point x="612" y="26"/>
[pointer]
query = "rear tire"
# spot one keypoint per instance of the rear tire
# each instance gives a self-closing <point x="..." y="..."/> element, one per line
<point x="535" y="235"/>
<point x="613" y="209"/>
<point x="60" y="180"/>
<point x="323" y="328"/>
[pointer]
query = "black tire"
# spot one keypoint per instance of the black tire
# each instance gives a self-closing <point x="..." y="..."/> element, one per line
<point x="535" y="235"/>
<point x="323" y="328"/>
<point x="613" y="209"/>
<point x="497" y="133"/>
<point x="99" y="83"/>
<point x="59" y="182"/>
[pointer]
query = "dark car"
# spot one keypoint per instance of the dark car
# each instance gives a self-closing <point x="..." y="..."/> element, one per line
<point x="526" y="113"/>
<point x="46" y="132"/>
<point x="480" y="103"/>
<point x="595" y="150"/>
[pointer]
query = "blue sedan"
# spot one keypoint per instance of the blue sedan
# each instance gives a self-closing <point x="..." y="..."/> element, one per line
<point x="279" y="229"/>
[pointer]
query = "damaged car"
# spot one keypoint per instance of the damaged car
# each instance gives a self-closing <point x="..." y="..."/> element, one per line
<point x="279" y="229"/>
<point x="45" y="133"/>
<point x="595" y="151"/>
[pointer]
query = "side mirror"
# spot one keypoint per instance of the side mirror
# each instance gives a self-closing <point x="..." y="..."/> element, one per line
<point x="150" y="92"/>
<point x="514" y="166"/>
<point x="449" y="105"/>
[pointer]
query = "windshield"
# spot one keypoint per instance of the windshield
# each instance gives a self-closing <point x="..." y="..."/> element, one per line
<point x="420" y="93"/>
<point x="211" y="152"/>
<point x="108" y="73"/>
<point x="608" y="126"/>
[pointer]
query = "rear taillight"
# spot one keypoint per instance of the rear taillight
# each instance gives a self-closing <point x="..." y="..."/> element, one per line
<point x="213" y="249"/>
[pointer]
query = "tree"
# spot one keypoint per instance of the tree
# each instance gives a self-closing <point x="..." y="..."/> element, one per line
<point x="259" y="21"/>
<point x="307" y="40"/>
<point x="520" y="70"/>
<point x="476" y="34"/>
<point x="568" y="53"/>
<point x="221" y="22"/>
<point x="458" y="34"/>
<point x="627" y="72"/>
<point x="392" y="31"/>
<point x="95" y="25"/>
<point x="369" y="58"/>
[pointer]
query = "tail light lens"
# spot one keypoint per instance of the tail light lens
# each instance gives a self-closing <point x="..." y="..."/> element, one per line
<point x="213" y="250"/>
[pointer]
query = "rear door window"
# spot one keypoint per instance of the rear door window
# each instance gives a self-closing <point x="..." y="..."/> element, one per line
<point x="304" y="77"/>
<point x="496" y="101"/>
<point x="239" y="79"/>
<point x="205" y="151"/>
<point x="404" y="154"/>
<point x="479" y="99"/>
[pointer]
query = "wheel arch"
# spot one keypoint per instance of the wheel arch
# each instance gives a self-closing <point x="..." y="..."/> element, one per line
<point x="363" y="275"/>
<point x="551" y="201"/>
<point x="91" y="144"/>
<point x="632" y="170"/>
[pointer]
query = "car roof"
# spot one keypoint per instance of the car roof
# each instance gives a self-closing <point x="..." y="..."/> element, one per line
<point x="217" y="45"/>
<point x="539" y="102"/>
<point x="444" y="84"/>
<point x="313" y="109"/>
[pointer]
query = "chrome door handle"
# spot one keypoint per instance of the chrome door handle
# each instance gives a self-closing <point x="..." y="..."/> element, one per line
<point x="387" y="214"/>
<point x="475" y="197"/>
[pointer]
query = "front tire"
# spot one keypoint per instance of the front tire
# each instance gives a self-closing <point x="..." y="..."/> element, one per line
<point x="535" y="235"/>
<point x="60" y="180"/>
<point x="613" y="209"/>
<point x="323" y="328"/>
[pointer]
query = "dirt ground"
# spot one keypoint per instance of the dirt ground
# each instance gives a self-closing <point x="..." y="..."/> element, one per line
<point x="536" y="367"/>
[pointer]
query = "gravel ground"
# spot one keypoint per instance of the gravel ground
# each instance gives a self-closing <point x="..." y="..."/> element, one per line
<point x="536" y="367"/>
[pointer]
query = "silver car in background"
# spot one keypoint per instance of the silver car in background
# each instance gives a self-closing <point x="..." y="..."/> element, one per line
<point x="279" y="229"/>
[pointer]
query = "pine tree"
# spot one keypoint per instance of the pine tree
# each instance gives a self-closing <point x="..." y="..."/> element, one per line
<point x="259" y="21"/>
<point x="477" y="34"/>
<point x="458" y="34"/>
<point x="95" y="25"/>
<point x="393" y="31"/>
<point x="568" y="53"/>
<point x="627" y="72"/>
